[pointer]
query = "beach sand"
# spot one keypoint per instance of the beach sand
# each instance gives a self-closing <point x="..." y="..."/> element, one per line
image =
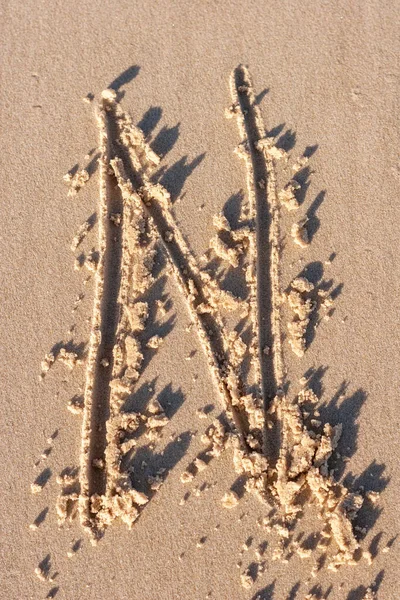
<point x="326" y="75"/>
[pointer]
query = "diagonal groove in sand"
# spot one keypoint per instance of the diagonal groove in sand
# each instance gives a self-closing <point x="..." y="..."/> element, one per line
<point x="194" y="287"/>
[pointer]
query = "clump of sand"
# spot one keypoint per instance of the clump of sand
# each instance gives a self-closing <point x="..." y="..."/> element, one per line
<point x="301" y="306"/>
<point x="76" y="182"/>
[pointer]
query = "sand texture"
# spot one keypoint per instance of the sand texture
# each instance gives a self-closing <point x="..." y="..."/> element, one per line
<point x="200" y="305"/>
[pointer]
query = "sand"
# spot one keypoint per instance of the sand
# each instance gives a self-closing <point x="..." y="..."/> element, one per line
<point x="326" y="87"/>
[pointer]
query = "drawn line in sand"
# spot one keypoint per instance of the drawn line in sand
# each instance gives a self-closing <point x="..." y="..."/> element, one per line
<point x="264" y="297"/>
<point x="114" y="358"/>
<point x="302" y="460"/>
<point x="272" y="446"/>
<point x="93" y="359"/>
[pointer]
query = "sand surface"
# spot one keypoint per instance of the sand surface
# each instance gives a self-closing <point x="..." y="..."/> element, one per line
<point x="326" y="75"/>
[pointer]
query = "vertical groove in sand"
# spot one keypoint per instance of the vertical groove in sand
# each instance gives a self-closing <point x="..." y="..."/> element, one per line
<point x="253" y="215"/>
<point x="264" y="203"/>
<point x="265" y="248"/>
<point x="95" y="334"/>
<point x="105" y="318"/>
<point x="113" y="451"/>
